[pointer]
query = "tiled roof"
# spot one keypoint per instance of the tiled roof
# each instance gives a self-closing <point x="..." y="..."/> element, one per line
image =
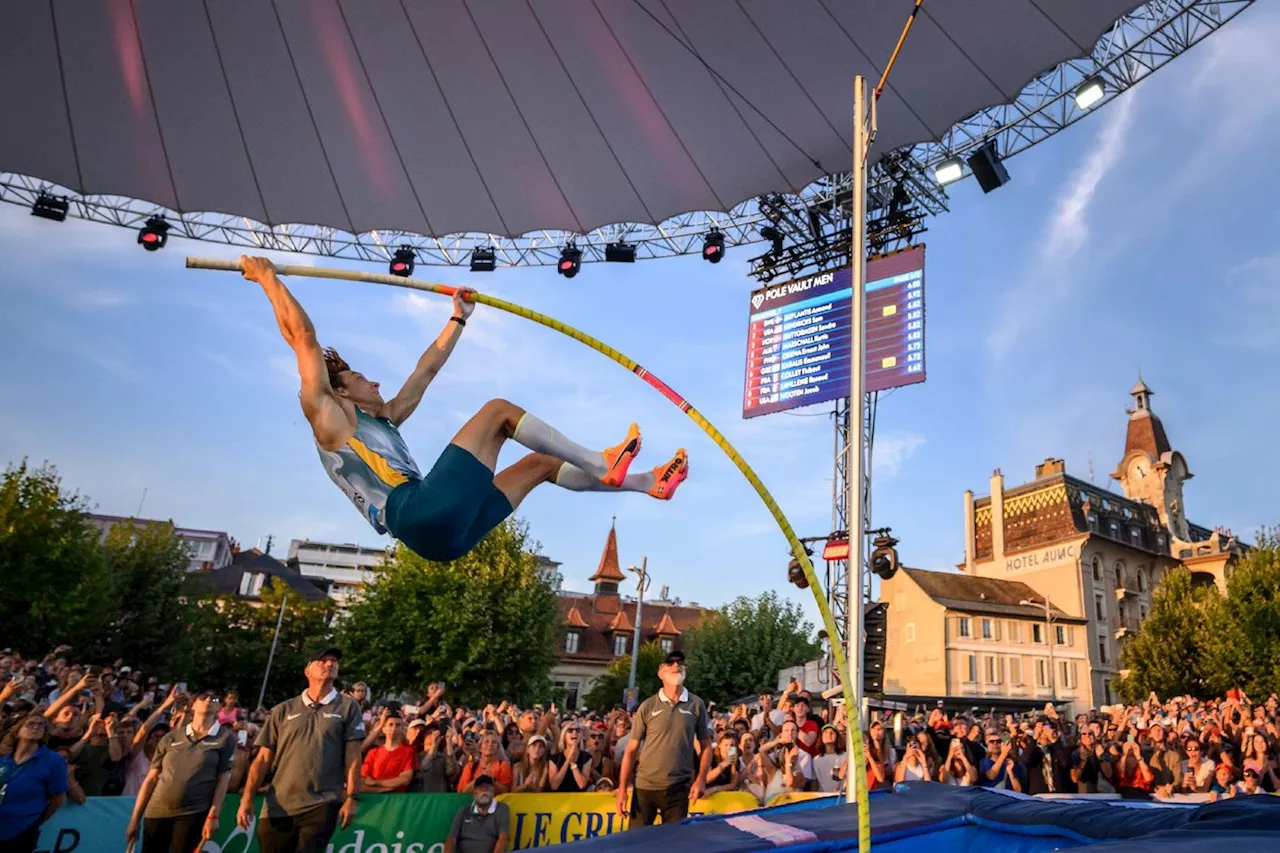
<point x="666" y="628"/>
<point x="1146" y="433"/>
<point x="609" y="570"/>
<point x="982" y="595"/>
<point x="596" y="644"/>
<point x="226" y="581"/>
<point x="621" y="624"/>
<point x="573" y="619"/>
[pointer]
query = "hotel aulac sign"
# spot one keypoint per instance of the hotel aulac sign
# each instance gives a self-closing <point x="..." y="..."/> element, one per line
<point x="1052" y="557"/>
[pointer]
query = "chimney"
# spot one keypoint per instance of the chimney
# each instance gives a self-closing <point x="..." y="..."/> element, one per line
<point x="1049" y="467"/>
<point x="997" y="515"/>
<point x="970" y="544"/>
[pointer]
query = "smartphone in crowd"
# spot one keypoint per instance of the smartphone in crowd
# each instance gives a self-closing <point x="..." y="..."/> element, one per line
<point x="180" y="687"/>
<point x="410" y="710"/>
<point x="243" y="737"/>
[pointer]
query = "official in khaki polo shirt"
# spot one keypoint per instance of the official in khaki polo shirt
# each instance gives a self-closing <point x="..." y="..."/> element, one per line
<point x="312" y="742"/>
<point x="669" y="775"/>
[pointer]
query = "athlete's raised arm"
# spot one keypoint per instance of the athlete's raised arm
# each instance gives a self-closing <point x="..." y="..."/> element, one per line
<point x="331" y="420"/>
<point x="402" y="405"/>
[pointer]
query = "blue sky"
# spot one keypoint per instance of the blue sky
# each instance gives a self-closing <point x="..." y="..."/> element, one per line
<point x="1142" y="238"/>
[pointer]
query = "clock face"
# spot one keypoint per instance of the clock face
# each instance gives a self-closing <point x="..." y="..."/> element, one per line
<point x="1140" y="468"/>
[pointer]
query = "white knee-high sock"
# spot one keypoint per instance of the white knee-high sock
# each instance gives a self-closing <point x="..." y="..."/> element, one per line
<point x="542" y="438"/>
<point x="576" y="480"/>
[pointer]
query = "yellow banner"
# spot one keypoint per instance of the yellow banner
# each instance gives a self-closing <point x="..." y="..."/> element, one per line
<point x="540" y="820"/>
<point x="796" y="796"/>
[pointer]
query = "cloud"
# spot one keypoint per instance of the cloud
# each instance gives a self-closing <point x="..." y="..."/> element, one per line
<point x="892" y="450"/>
<point x="1049" y="277"/>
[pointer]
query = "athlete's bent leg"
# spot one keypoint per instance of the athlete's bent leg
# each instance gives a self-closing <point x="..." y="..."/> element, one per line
<point x="523" y="477"/>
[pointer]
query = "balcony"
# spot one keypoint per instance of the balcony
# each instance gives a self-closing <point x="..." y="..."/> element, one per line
<point x="1124" y="631"/>
<point x="1123" y="592"/>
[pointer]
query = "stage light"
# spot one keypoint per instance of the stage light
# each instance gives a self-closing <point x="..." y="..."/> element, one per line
<point x="483" y="259"/>
<point x="795" y="572"/>
<point x="570" y="261"/>
<point x="987" y="168"/>
<point x="713" y="247"/>
<point x="620" y="253"/>
<point x="402" y="262"/>
<point x="1090" y="92"/>
<point x="774" y="236"/>
<point x="949" y="171"/>
<point x="154" y="234"/>
<point x="50" y="207"/>
<point x="884" y="559"/>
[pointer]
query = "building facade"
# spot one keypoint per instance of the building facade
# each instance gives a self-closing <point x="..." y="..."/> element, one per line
<point x="1094" y="555"/>
<point x="598" y="628"/>
<point x="341" y="568"/>
<point x="210" y="549"/>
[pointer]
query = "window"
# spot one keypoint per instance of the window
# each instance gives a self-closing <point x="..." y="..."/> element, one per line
<point x="909" y="633"/>
<point x="251" y="584"/>
<point x="1142" y="579"/>
<point x="1042" y="672"/>
<point x="1093" y="522"/>
<point x="1097" y="568"/>
<point x="201" y="550"/>
<point x="667" y="645"/>
<point x="1113" y="528"/>
<point x="571" y="640"/>
<point x="993" y="670"/>
<point x="986" y="629"/>
<point x="1063" y="633"/>
<point x="619" y="645"/>
<point x="1142" y="613"/>
<point x="1015" y="632"/>
<point x="1135" y="536"/>
<point x="1037" y="633"/>
<point x="971" y="668"/>
<point x="1102" y="649"/>
<point x="1064" y="675"/>
<point x="1119" y="575"/>
<point x="1015" y="671"/>
<point x="963" y="629"/>
<point x="1100" y="605"/>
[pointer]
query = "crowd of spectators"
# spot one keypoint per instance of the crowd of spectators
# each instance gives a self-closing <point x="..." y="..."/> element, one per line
<point x="105" y="723"/>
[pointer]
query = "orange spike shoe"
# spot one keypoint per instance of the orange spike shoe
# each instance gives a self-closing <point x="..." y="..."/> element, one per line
<point x="617" y="459"/>
<point x="667" y="478"/>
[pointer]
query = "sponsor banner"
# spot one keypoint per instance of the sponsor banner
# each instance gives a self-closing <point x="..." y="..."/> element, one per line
<point x="385" y="823"/>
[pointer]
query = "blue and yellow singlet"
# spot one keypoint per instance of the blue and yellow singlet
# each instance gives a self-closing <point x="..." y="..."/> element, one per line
<point x="370" y="465"/>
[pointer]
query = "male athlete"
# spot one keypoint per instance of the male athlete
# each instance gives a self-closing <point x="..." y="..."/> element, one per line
<point x="442" y="516"/>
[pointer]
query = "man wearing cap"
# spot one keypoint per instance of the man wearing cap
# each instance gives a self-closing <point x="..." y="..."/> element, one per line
<point x="312" y="743"/>
<point x="484" y="826"/>
<point x="668" y="774"/>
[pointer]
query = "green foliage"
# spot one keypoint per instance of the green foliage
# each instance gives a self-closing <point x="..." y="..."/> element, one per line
<point x="1167" y="655"/>
<point x="54" y="569"/>
<point x="484" y="624"/>
<point x="608" y="689"/>
<point x="227" y="642"/>
<point x="1242" y="645"/>
<point x="739" y="648"/>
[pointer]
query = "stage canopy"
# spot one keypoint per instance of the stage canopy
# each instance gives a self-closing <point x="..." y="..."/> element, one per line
<point x="437" y="117"/>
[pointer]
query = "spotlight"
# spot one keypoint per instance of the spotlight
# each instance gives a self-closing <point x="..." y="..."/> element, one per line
<point x="620" y="253"/>
<point x="949" y="171"/>
<point x="154" y="234"/>
<point x="884" y="559"/>
<point x="774" y="236"/>
<point x="50" y="207"/>
<point x="795" y="572"/>
<point x="483" y="259"/>
<point x="713" y="247"/>
<point x="570" y="261"/>
<point x="1090" y="92"/>
<point x="402" y="262"/>
<point x="987" y="168"/>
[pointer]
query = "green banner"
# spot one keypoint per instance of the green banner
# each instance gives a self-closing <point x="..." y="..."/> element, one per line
<point x="385" y="823"/>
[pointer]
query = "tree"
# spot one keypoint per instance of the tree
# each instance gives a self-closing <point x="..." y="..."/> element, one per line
<point x="739" y="648"/>
<point x="1242" y="640"/>
<point x="54" y="569"/>
<point x="227" y="643"/>
<point x="146" y="575"/>
<point x="608" y="688"/>
<point x="484" y="624"/>
<point x="1168" y="654"/>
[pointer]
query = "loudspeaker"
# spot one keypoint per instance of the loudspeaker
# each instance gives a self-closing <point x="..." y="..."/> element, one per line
<point x="987" y="167"/>
<point x="874" y="624"/>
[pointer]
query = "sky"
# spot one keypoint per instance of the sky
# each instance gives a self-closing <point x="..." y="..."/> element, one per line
<point x="1144" y="238"/>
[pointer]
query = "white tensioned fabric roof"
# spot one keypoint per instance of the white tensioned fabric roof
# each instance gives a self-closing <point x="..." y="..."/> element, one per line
<point x="498" y="116"/>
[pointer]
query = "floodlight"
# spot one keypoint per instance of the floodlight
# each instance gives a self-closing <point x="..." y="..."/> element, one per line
<point x="949" y="171"/>
<point x="1090" y="92"/>
<point x="483" y="259"/>
<point x="620" y="253"/>
<point x="987" y="167"/>
<point x="52" y="207"/>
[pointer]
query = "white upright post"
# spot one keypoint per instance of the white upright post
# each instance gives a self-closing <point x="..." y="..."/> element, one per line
<point x="855" y="500"/>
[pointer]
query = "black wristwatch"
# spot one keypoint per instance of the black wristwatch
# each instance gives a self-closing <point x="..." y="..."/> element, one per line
<point x="458" y="320"/>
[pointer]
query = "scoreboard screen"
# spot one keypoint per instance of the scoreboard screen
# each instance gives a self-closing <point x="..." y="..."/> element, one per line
<point x="799" y="343"/>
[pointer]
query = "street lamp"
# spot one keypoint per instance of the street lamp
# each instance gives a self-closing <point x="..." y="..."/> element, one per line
<point x="1048" y="627"/>
<point x="642" y="582"/>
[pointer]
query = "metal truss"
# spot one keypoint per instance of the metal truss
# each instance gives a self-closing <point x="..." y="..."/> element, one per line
<point x="1138" y="44"/>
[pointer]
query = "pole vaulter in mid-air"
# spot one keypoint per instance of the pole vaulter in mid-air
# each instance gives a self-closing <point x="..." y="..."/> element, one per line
<point x="445" y="514"/>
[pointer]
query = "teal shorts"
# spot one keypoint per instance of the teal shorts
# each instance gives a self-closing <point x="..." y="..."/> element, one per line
<point x="445" y="515"/>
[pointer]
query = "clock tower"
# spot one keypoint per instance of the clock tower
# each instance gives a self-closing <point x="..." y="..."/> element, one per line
<point x="1151" y="471"/>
